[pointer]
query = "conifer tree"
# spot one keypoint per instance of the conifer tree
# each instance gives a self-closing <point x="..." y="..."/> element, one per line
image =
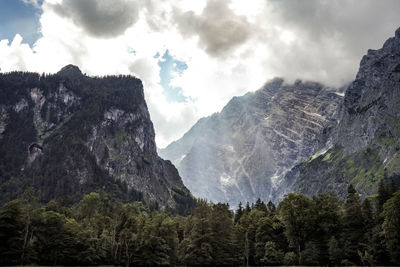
<point x="11" y="233"/>
<point x="296" y="212"/>
<point x="383" y="194"/>
<point x="391" y="227"/>
<point x="272" y="254"/>
<point x="239" y="212"/>
<point x="335" y="251"/>
<point x="353" y="226"/>
<point x="271" y="208"/>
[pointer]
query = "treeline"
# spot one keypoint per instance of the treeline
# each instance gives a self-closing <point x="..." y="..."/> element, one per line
<point x="322" y="230"/>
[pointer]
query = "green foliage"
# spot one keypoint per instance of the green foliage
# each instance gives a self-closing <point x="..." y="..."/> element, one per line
<point x="272" y="256"/>
<point x="310" y="254"/>
<point x="335" y="252"/>
<point x="101" y="230"/>
<point x="290" y="259"/>
<point x="296" y="212"/>
<point x="67" y="167"/>
<point x="353" y="226"/>
<point x="391" y="226"/>
<point x="11" y="232"/>
<point x="364" y="169"/>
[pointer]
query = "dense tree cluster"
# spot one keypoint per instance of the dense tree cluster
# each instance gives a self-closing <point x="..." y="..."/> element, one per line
<point x="322" y="230"/>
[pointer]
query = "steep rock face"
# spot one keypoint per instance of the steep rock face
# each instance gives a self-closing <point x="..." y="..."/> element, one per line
<point x="68" y="134"/>
<point x="241" y="153"/>
<point x="366" y="142"/>
<point x="371" y="104"/>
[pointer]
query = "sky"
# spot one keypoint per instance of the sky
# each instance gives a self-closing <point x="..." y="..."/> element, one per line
<point x="193" y="56"/>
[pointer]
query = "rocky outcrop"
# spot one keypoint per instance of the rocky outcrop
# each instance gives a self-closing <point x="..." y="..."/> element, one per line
<point x="242" y="153"/>
<point x="366" y="142"/>
<point x="68" y="134"/>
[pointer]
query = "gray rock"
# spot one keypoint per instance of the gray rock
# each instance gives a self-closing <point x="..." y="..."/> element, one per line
<point x="242" y="153"/>
<point x="365" y="145"/>
<point x="71" y="134"/>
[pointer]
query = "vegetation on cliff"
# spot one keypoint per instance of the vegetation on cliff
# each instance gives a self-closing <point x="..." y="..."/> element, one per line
<point x="69" y="134"/>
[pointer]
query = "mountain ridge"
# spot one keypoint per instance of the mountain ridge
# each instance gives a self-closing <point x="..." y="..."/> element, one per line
<point x="366" y="142"/>
<point x="72" y="134"/>
<point x="358" y="145"/>
<point x="234" y="139"/>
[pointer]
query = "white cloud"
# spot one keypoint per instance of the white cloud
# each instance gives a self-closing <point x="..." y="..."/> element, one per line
<point x="229" y="46"/>
<point x="35" y="3"/>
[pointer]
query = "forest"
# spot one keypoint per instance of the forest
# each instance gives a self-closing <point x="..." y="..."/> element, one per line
<point x="100" y="230"/>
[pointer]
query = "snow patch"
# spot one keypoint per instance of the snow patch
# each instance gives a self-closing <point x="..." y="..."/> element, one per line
<point x="180" y="159"/>
<point x="226" y="179"/>
<point x="274" y="179"/>
<point x="312" y="113"/>
<point x="340" y="94"/>
<point x="230" y="148"/>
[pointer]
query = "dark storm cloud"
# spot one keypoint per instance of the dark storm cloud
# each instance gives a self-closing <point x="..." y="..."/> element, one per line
<point x="219" y="29"/>
<point x="331" y="36"/>
<point x="354" y="23"/>
<point x="100" y="18"/>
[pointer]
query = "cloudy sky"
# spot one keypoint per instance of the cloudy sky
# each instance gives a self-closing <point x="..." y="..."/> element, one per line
<point x="194" y="55"/>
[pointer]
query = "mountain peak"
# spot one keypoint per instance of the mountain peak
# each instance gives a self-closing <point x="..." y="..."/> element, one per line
<point x="70" y="71"/>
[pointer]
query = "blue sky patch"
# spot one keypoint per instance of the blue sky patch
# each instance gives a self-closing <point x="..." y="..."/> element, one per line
<point x="19" y="17"/>
<point x="169" y="67"/>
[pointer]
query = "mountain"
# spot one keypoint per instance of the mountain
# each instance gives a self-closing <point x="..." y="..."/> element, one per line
<point x="365" y="145"/>
<point x="68" y="134"/>
<point x="241" y="153"/>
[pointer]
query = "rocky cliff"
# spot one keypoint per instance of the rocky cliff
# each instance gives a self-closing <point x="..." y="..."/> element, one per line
<point x="365" y="146"/>
<point x="241" y="153"/>
<point x="68" y="134"/>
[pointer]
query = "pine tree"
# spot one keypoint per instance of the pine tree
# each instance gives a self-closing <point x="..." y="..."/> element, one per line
<point x="296" y="212"/>
<point x="30" y="201"/>
<point x="327" y="223"/>
<point x="222" y="239"/>
<point x="310" y="254"/>
<point x="335" y="252"/>
<point x="383" y="194"/>
<point x="392" y="188"/>
<point x="272" y="254"/>
<point x="247" y="208"/>
<point x="391" y="227"/>
<point x="51" y="235"/>
<point x="129" y="234"/>
<point x="353" y="226"/>
<point x="260" y="205"/>
<point x="368" y="246"/>
<point x="196" y="247"/>
<point x="11" y="233"/>
<point x="271" y="208"/>
<point x="290" y="258"/>
<point x="264" y="233"/>
<point x="239" y="212"/>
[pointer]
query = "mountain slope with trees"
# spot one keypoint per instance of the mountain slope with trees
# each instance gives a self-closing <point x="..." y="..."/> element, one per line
<point x="68" y="134"/>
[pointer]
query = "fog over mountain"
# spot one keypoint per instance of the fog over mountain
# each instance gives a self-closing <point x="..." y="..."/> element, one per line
<point x="216" y="49"/>
<point x="241" y="153"/>
<point x="302" y="137"/>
